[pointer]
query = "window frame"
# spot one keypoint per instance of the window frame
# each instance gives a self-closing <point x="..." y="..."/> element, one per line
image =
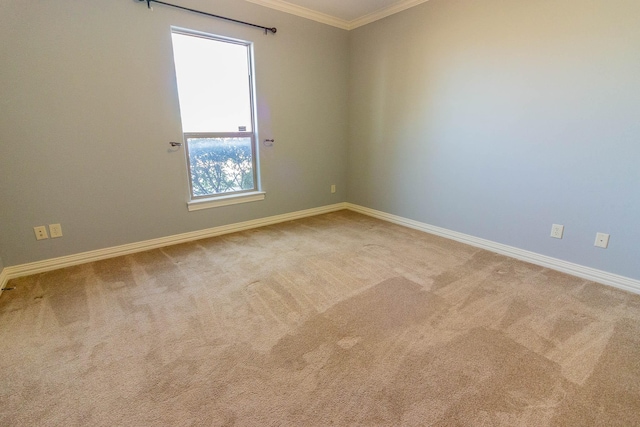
<point x="225" y="198"/>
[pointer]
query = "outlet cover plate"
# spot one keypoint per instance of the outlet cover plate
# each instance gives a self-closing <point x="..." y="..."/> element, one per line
<point x="41" y="232"/>
<point x="557" y="231"/>
<point x="55" y="230"/>
<point x="602" y="240"/>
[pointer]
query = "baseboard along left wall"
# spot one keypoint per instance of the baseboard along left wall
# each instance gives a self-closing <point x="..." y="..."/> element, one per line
<point x="21" y="270"/>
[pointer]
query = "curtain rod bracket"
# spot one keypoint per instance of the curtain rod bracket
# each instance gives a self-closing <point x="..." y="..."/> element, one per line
<point x="272" y="30"/>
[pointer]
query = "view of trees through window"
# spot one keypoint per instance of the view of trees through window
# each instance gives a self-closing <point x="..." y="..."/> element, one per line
<point x="220" y="165"/>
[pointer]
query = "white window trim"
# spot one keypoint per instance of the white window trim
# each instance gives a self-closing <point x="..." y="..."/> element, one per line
<point x="219" y="200"/>
<point x="231" y="199"/>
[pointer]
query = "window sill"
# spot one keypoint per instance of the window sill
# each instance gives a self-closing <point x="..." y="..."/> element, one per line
<point x="233" y="199"/>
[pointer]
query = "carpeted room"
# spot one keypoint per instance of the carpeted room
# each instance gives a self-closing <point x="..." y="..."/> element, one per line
<point x="493" y="120"/>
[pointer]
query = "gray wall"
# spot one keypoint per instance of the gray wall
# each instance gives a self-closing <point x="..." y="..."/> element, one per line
<point x="497" y="118"/>
<point x="492" y="118"/>
<point x="89" y="105"/>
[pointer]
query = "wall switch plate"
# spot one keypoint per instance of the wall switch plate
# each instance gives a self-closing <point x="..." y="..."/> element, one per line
<point x="41" y="232"/>
<point x="333" y="188"/>
<point x="557" y="231"/>
<point x="55" y="230"/>
<point x="602" y="240"/>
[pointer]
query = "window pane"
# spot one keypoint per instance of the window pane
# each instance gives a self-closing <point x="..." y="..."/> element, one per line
<point x="220" y="165"/>
<point x="213" y="84"/>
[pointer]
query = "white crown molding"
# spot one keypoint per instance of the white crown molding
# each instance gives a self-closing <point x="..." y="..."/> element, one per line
<point x="303" y="12"/>
<point x="323" y="18"/>
<point x="588" y="273"/>
<point x="606" y="278"/>
<point x="22" y="270"/>
<point x="383" y="13"/>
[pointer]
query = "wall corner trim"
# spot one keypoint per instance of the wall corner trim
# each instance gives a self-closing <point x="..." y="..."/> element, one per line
<point x="603" y="277"/>
<point x="4" y="279"/>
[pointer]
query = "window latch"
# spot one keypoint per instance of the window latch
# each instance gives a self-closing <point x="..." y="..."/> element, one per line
<point x="175" y="144"/>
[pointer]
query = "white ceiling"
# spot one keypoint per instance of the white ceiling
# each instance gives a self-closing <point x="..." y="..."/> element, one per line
<point x="346" y="14"/>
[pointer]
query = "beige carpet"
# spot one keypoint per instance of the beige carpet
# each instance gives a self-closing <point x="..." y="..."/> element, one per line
<point x="337" y="320"/>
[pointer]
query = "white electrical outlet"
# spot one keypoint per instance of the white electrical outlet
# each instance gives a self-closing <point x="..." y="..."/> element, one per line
<point x="55" y="230"/>
<point x="41" y="232"/>
<point x="557" y="231"/>
<point x="333" y="188"/>
<point x="602" y="240"/>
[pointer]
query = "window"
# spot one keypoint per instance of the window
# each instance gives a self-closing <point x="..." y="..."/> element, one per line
<point x="215" y="89"/>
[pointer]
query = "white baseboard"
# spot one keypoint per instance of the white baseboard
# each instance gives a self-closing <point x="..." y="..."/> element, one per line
<point x="620" y="282"/>
<point x="21" y="270"/>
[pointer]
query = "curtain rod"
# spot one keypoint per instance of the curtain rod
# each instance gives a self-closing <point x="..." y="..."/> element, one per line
<point x="266" y="29"/>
